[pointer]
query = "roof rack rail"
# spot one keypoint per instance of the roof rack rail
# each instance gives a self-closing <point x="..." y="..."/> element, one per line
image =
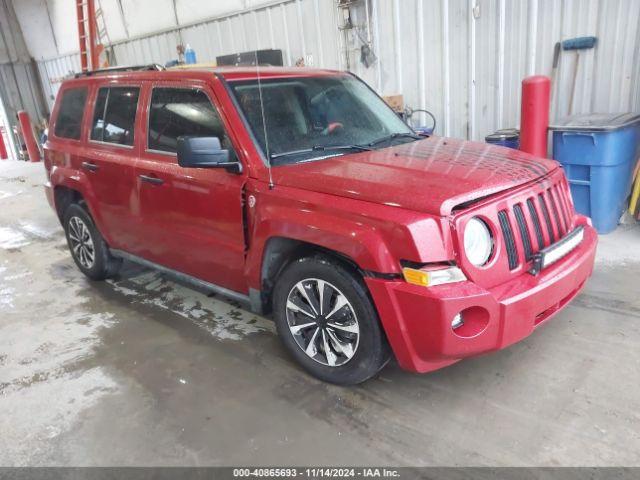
<point x="126" y="68"/>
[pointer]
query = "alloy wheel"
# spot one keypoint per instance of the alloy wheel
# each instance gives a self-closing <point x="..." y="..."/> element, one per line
<point x="81" y="242"/>
<point x="322" y="322"/>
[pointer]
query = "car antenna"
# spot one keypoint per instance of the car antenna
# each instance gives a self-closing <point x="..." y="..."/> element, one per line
<point x="264" y="123"/>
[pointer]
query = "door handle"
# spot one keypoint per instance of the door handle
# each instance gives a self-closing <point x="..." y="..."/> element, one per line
<point x="152" y="180"/>
<point x="92" y="167"/>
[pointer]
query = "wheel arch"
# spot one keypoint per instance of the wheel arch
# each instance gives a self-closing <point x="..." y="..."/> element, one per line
<point x="71" y="186"/>
<point x="344" y="275"/>
<point x="279" y="252"/>
<point x="65" y="196"/>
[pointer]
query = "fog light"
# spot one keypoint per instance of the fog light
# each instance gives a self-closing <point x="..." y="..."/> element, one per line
<point x="457" y="321"/>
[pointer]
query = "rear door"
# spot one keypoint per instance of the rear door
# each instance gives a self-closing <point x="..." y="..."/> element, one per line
<point x="190" y="219"/>
<point x="109" y="157"/>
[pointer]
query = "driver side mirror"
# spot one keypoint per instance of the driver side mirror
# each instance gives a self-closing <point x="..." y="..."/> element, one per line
<point x="205" y="152"/>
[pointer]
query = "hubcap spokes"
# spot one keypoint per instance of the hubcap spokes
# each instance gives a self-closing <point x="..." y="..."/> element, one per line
<point x="81" y="242"/>
<point x="322" y="322"/>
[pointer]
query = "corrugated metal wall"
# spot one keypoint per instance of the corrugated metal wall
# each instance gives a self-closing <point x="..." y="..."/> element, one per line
<point x="19" y="83"/>
<point x="53" y="71"/>
<point x="461" y="59"/>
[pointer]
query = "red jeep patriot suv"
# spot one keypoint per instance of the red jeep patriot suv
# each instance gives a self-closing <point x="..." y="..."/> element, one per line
<point x="302" y="194"/>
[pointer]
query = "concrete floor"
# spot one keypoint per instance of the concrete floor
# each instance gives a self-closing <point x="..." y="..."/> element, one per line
<point x="142" y="371"/>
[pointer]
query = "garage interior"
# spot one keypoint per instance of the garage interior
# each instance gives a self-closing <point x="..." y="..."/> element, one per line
<point x="141" y="370"/>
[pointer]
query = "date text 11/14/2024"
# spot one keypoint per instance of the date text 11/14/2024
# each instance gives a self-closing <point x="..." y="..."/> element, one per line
<point x="319" y="472"/>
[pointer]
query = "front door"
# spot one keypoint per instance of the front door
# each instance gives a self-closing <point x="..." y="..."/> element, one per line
<point x="190" y="219"/>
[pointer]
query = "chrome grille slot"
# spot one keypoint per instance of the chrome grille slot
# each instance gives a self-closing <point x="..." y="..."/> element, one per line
<point x="558" y="210"/>
<point x="566" y="211"/>
<point x="524" y="231"/>
<point x="547" y="217"/>
<point x="509" y="240"/>
<point x="537" y="228"/>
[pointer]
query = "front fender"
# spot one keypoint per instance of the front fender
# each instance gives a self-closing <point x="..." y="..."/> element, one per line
<point x="373" y="236"/>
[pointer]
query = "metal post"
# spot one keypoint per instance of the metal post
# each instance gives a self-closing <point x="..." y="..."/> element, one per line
<point x="3" y="150"/>
<point x="28" y="136"/>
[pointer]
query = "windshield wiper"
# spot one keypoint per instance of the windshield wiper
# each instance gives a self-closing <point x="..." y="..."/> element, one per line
<point x="393" y="136"/>
<point x="321" y="148"/>
<point x="360" y="148"/>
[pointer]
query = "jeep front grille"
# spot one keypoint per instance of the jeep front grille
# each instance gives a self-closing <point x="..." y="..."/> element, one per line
<point x="552" y="199"/>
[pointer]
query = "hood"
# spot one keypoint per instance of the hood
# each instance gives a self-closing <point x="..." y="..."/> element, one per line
<point x="431" y="175"/>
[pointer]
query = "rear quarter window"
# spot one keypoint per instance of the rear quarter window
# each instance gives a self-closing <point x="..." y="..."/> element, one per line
<point x="69" y="121"/>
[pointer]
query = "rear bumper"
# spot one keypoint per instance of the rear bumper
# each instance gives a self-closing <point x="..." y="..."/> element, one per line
<point x="417" y="320"/>
<point x="48" y="191"/>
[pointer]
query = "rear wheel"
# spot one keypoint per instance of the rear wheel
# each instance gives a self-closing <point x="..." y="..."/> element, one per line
<point x="328" y="323"/>
<point x="88" y="248"/>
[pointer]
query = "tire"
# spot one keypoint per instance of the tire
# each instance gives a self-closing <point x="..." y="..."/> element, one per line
<point x="78" y="224"/>
<point x="350" y="331"/>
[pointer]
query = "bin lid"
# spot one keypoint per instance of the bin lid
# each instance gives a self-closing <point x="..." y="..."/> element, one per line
<point x="504" y="134"/>
<point x="596" y="122"/>
<point x="510" y="131"/>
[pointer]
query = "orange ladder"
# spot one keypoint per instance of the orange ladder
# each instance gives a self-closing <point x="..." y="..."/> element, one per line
<point x="90" y="37"/>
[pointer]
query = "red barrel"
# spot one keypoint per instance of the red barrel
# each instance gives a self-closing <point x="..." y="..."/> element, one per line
<point x="27" y="135"/>
<point x="534" y="118"/>
<point x="3" y="148"/>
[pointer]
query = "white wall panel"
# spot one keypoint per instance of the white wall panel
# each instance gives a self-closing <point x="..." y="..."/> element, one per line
<point x="515" y="59"/>
<point x="114" y="19"/>
<point x="461" y="59"/>
<point x="34" y="19"/>
<point x="146" y="16"/>
<point x="65" y="27"/>
<point x="459" y="17"/>
<point x="190" y="11"/>
<point x="12" y="44"/>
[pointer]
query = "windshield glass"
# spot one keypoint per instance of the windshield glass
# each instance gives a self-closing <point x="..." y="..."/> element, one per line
<point x="314" y="117"/>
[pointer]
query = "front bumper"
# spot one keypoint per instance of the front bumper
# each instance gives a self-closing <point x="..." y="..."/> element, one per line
<point x="417" y="320"/>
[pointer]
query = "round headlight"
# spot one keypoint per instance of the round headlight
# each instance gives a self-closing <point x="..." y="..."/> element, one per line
<point x="478" y="243"/>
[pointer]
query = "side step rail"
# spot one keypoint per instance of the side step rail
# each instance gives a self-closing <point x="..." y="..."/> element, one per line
<point x="188" y="279"/>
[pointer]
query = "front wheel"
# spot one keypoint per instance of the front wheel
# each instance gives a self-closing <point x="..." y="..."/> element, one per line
<point x="328" y="323"/>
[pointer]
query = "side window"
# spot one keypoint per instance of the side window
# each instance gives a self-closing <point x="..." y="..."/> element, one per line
<point x="176" y="112"/>
<point x="114" y="115"/>
<point x="69" y="121"/>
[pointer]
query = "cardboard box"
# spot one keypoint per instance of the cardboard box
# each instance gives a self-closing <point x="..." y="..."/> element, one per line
<point x="395" y="101"/>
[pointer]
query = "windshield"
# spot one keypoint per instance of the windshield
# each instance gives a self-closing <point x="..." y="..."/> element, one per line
<point x="314" y="117"/>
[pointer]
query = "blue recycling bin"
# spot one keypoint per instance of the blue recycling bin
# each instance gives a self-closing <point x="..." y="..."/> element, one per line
<point x="598" y="153"/>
